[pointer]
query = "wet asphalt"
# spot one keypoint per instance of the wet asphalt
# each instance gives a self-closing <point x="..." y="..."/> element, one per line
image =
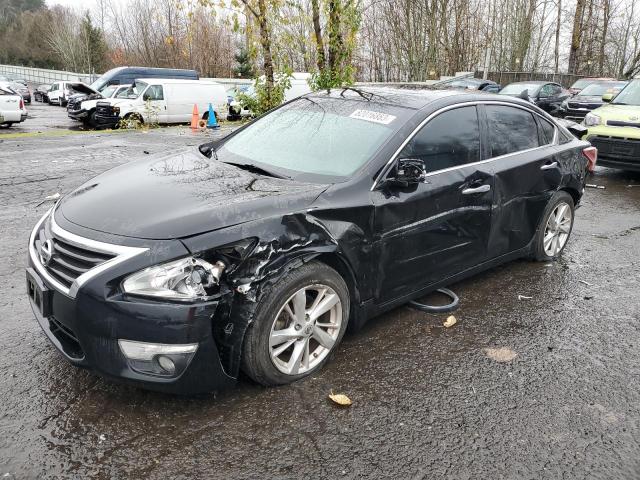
<point x="545" y="387"/>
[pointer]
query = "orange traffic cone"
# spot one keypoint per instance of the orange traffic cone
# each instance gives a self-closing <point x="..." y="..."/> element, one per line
<point x="195" y="117"/>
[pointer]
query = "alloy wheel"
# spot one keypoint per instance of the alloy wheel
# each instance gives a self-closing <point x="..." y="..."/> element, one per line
<point x="557" y="229"/>
<point x="305" y="329"/>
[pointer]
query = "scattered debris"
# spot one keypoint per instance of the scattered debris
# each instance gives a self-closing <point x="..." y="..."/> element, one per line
<point x="102" y="437"/>
<point x="588" y="297"/>
<point x="592" y="185"/>
<point x="631" y="186"/>
<point x="586" y="283"/>
<point x="450" y="321"/>
<point x="340" y="399"/>
<point x="55" y="196"/>
<point x="146" y="152"/>
<point x="501" y="355"/>
<point x="524" y="297"/>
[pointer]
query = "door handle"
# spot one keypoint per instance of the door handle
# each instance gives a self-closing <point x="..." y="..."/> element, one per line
<point x="549" y="166"/>
<point x="481" y="189"/>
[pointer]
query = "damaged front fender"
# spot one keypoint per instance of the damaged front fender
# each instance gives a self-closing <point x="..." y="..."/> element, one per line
<point x="283" y="243"/>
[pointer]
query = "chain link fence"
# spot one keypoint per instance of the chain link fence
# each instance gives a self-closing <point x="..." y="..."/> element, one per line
<point x="41" y="75"/>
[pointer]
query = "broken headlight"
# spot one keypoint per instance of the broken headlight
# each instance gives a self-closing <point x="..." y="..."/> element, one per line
<point x="189" y="278"/>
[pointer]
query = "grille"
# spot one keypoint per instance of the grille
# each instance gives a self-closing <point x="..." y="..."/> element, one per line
<point x="588" y="106"/>
<point x="105" y="109"/>
<point x="622" y="123"/>
<point x="73" y="105"/>
<point x="63" y="261"/>
<point x="614" y="147"/>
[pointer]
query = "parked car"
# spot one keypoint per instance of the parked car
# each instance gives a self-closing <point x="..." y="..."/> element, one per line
<point x="589" y="98"/>
<point x="583" y="82"/>
<point x="256" y="251"/>
<point x="546" y="95"/>
<point x="480" y="84"/>
<point x="40" y="93"/>
<point x="161" y="101"/>
<point x="82" y="107"/>
<point x="22" y="90"/>
<point x="59" y="93"/>
<point x="12" y="109"/>
<point x="615" y="129"/>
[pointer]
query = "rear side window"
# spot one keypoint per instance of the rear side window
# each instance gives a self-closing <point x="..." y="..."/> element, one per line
<point x="448" y="140"/>
<point x="547" y="130"/>
<point x="510" y="130"/>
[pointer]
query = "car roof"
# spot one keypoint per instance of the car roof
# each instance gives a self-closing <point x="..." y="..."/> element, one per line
<point x="414" y="98"/>
<point x="533" y="82"/>
<point x="176" y="80"/>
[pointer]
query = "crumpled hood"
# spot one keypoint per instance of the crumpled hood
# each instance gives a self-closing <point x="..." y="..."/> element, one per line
<point x="83" y="88"/>
<point x="180" y="195"/>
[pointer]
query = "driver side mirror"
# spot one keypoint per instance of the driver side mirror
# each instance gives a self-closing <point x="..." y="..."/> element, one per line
<point x="408" y="171"/>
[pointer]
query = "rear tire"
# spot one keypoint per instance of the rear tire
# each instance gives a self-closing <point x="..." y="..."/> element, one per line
<point x="285" y="314"/>
<point x="555" y="227"/>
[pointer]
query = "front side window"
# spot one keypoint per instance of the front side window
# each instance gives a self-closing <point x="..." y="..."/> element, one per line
<point x="449" y="140"/>
<point x="154" y="92"/>
<point x="510" y="129"/>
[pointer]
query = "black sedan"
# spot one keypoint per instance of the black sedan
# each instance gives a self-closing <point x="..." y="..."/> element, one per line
<point x="470" y="83"/>
<point x="589" y="98"/>
<point x="546" y="95"/>
<point x="257" y="251"/>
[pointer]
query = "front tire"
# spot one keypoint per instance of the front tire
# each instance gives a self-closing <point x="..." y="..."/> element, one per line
<point x="297" y="325"/>
<point x="555" y="227"/>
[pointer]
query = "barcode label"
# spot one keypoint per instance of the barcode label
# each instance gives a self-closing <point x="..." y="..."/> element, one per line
<point x="375" y="117"/>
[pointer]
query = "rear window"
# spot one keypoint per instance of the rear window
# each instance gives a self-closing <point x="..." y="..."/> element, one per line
<point x="511" y="130"/>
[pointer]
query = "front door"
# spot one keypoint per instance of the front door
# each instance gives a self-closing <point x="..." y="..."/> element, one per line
<point x="432" y="230"/>
<point x="155" y="105"/>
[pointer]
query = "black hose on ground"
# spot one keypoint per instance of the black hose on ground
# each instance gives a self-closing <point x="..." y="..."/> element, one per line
<point x="438" y="308"/>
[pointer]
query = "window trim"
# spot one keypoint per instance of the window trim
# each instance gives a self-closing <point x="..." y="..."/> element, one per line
<point x="387" y="167"/>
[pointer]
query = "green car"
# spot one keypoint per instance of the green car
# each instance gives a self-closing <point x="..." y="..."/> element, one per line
<point x="614" y="129"/>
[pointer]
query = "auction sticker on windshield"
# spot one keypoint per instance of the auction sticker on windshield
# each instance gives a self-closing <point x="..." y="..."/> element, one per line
<point x="371" y="116"/>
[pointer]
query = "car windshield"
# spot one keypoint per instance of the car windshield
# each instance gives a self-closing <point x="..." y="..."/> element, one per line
<point x="599" y="89"/>
<point x="134" y="91"/>
<point x="630" y="95"/>
<point x="582" y="83"/>
<point x="518" y="88"/>
<point x="107" y="92"/>
<point x="316" y="139"/>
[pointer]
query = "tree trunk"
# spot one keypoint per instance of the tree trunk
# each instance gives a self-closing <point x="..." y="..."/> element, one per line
<point x="317" y="30"/>
<point x="603" y="39"/>
<point x="556" y="52"/>
<point x="576" y="36"/>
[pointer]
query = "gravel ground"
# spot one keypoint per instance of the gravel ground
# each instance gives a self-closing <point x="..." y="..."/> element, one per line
<point x="539" y="388"/>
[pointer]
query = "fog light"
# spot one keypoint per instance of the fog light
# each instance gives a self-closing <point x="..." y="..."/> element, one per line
<point x="158" y="359"/>
<point x="167" y="364"/>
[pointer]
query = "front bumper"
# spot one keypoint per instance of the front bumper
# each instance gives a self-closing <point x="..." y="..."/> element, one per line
<point x="616" y="152"/>
<point x="78" y="114"/>
<point x="85" y="329"/>
<point x="107" y="121"/>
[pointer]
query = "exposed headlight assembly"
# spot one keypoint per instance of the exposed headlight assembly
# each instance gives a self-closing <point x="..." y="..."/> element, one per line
<point x="591" y="120"/>
<point x="189" y="278"/>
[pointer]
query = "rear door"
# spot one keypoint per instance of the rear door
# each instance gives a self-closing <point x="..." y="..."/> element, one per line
<point x="439" y="227"/>
<point x="526" y="173"/>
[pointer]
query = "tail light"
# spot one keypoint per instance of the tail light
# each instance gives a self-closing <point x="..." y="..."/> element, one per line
<point x="21" y="104"/>
<point x="592" y="157"/>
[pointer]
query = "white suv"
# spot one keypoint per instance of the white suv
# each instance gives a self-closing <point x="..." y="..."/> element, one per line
<point x="12" y="109"/>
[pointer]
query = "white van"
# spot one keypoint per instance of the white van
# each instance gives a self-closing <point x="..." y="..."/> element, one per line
<point x="12" y="109"/>
<point x="60" y="92"/>
<point x="162" y="101"/>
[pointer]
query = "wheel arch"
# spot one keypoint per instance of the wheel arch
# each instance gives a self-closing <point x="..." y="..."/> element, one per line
<point x="575" y="194"/>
